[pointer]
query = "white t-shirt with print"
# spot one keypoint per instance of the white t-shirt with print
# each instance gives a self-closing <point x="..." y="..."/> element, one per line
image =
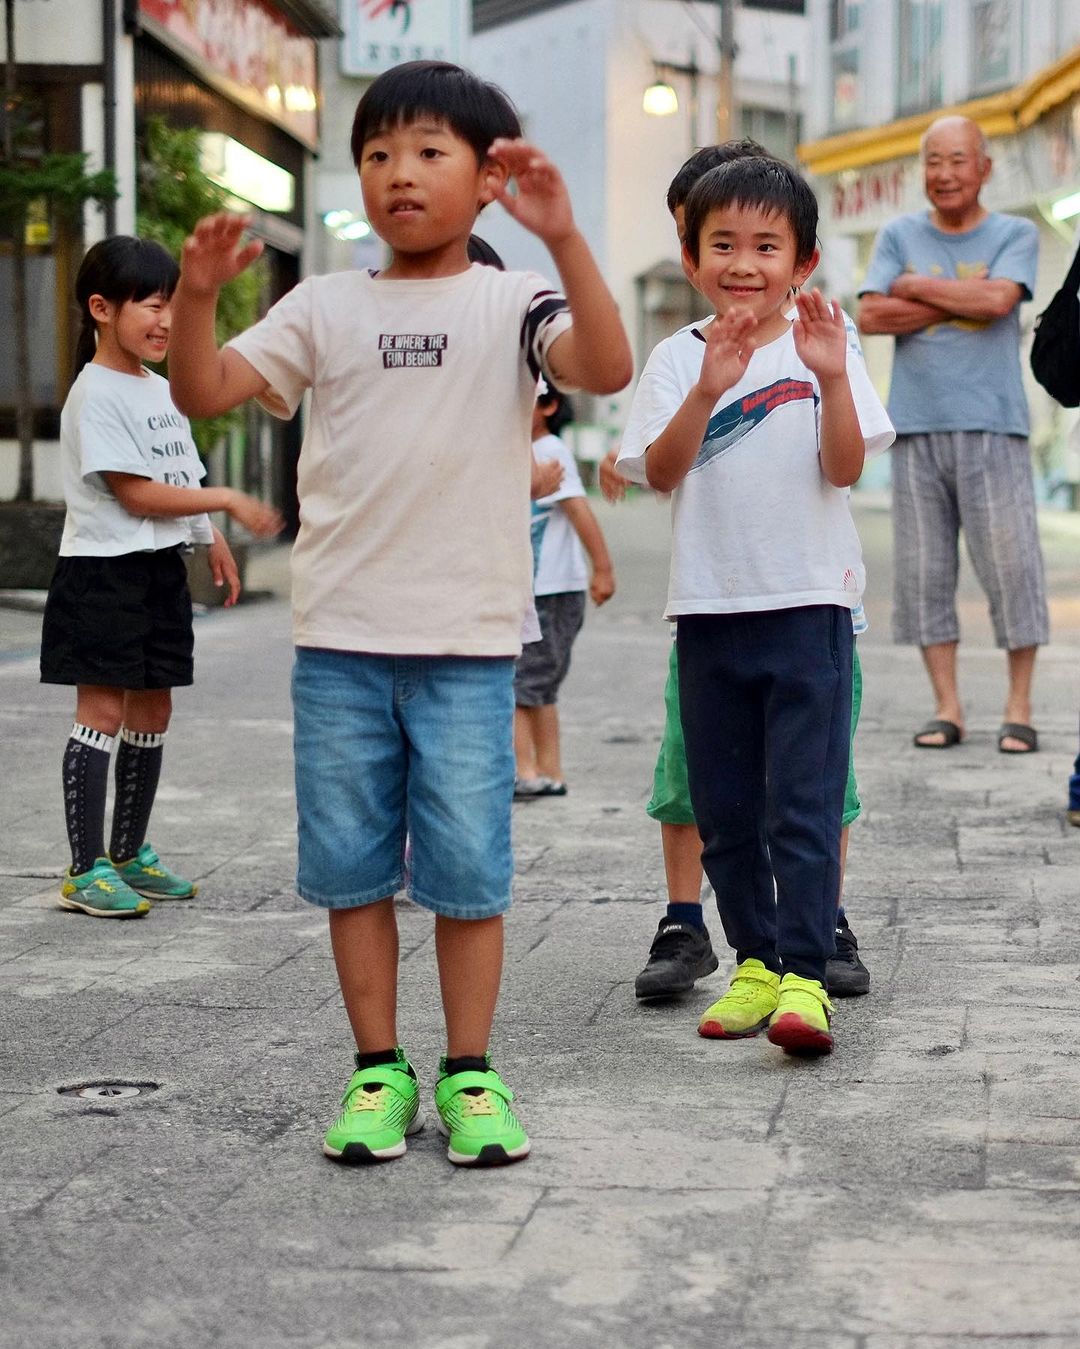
<point x="115" y="422"/>
<point x="414" y="473"/>
<point x="563" y="566"/>
<point x="755" y="523"/>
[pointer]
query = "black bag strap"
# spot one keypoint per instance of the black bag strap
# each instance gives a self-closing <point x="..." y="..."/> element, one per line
<point x="1071" y="284"/>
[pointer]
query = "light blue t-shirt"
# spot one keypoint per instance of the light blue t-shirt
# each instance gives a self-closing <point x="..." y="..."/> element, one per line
<point x="964" y="374"/>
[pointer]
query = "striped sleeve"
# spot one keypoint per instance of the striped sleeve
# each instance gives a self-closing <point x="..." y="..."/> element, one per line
<point x="547" y="316"/>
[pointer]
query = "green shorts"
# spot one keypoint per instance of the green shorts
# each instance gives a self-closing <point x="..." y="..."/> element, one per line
<point x="670" y="801"/>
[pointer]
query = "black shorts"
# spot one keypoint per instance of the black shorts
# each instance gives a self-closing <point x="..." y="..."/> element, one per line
<point x="122" y="622"/>
<point x="543" y="665"/>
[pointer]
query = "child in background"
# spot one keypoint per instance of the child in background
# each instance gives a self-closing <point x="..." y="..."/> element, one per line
<point x="118" y="616"/>
<point x="565" y="530"/>
<point x="759" y="428"/>
<point x="412" y="570"/>
<point x="681" y="951"/>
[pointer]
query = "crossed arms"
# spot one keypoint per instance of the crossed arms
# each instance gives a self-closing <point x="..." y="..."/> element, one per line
<point x="915" y="302"/>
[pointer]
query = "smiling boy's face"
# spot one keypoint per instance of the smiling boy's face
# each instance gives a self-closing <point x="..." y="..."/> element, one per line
<point x="423" y="188"/>
<point x="747" y="259"/>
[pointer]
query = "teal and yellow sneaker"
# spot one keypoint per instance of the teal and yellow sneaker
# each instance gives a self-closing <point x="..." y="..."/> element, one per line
<point x="746" y="1007"/>
<point x="146" y="874"/>
<point x="800" y="1024"/>
<point x="101" y="893"/>
<point x="475" y="1115"/>
<point x="380" y="1108"/>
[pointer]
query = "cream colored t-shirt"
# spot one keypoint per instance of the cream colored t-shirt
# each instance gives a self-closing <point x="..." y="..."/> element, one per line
<point x="414" y="473"/>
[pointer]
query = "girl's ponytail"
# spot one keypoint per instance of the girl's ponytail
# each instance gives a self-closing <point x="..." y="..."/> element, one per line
<point x="86" y="346"/>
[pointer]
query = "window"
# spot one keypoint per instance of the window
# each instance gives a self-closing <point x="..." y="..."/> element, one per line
<point x="845" y="84"/>
<point x="996" y="37"/>
<point x="919" y="42"/>
<point x="845" y="17"/>
<point x="778" y="131"/>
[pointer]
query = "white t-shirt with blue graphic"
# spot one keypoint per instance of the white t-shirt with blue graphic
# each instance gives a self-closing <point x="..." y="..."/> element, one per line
<point x="755" y="523"/>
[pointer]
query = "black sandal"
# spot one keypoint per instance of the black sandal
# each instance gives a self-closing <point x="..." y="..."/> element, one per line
<point x="948" y="730"/>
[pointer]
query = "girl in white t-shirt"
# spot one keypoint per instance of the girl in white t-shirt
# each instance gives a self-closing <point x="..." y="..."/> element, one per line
<point x="118" y="615"/>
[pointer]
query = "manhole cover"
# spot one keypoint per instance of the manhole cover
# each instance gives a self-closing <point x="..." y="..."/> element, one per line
<point x="107" y="1091"/>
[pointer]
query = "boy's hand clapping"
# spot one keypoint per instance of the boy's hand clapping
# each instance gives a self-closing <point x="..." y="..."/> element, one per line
<point x="819" y="334"/>
<point x="729" y="344"/>
<point x="541" y="202"/>
<point x="213" y="253"/>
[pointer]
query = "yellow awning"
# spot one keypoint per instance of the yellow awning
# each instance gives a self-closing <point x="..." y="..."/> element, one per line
<point x="1001" y="114"/>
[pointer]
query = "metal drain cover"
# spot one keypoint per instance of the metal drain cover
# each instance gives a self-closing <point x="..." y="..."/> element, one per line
<point x="107" y="1091"/>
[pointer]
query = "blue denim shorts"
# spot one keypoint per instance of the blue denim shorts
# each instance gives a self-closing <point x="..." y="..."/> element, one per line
<point x="392" y="745"/>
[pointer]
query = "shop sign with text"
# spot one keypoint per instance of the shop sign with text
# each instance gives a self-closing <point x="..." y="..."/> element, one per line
<point x="383" y="33"/>
<point x="250" y="50"/>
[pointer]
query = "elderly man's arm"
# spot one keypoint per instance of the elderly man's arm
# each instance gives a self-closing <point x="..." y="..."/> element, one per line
<point x="978" y="297"/>
<point x="894" y="317"/>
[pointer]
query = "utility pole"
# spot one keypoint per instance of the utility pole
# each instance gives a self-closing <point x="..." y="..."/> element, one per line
<point x="726" y="111"/>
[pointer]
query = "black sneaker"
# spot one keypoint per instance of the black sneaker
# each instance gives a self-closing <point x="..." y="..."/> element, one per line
<point x="680" y="953"/>
<point x="845" y="974"/>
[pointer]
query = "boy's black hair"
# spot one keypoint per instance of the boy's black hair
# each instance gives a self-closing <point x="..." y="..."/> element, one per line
<point x="474" y="109"/>
<point x="479" y="250"/>
<point x="119" y="269"/>
<point x="759" y="183"/>
<point x="562" y="414"/>
<point x="709" y="157"/>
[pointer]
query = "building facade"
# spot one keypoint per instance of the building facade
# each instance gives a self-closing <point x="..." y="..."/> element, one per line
<point x="245" y="73"/>
<point x="882" y="70"/>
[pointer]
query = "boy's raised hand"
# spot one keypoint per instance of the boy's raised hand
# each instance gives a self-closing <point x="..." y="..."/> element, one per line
<point x="214" y="253"/>
<point x="541" y="202"/>
<point x="819" y="334"/>
<point x="729" y="344"/>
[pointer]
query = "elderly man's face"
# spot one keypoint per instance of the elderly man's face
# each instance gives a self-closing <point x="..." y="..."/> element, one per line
<point x="954" y="168"/>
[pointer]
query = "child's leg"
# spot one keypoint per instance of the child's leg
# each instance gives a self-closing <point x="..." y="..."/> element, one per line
<point x="461" y="779"/>
<point x="808" y="721"/>
<point x="722" y="718"/>
<point x="681" y="844"/>
<point x="98" y="713"/>
<point x="470" y="955"/>
<point x="138" y="768"/>
<point x="365" y="946"/>
<point x="524" y="743"/>
<point x="545" y="724"/>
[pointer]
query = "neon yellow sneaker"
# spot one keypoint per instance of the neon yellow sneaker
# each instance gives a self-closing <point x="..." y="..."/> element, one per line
<point x="101" y="893"/>
<point x="800" y="1024"/>
<point x="149" y="876"/>
<point x="475" y="1115"/>
<point x="746" y="1007"/>
<point x="380" y="1108"/>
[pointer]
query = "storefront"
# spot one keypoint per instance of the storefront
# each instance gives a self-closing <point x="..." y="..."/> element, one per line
<point x="866" y="178"/>
<point x="245" y="73"/>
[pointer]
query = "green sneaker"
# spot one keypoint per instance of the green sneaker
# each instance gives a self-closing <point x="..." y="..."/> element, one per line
<point x="146" y="874"/>
<point x="380" y="1108"/>
<point x="800" y="1024"/>
<point x="101" y="893"/>
<point x="746" y="1007"/>
<point x="475" y="1115"/>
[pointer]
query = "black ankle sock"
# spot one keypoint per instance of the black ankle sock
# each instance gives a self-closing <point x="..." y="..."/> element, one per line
<point x="138" y="767"/>
<point x="375" y="1057"/>
<point x="466" y="1063"/>
<point x="86" y="780"/>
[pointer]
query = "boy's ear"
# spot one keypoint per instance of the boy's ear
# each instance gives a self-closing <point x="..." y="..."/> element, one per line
<point x="804" y="270"/>
<point x="689" y="266"/>
<point x="493" y="178"/>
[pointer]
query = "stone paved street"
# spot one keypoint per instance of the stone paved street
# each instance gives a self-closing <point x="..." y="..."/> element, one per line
<point x="920" y="1189"/>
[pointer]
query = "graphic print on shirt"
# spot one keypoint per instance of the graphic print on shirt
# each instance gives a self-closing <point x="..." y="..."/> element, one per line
<point x="401" y="351"/>
<point x="728" y="426"/>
